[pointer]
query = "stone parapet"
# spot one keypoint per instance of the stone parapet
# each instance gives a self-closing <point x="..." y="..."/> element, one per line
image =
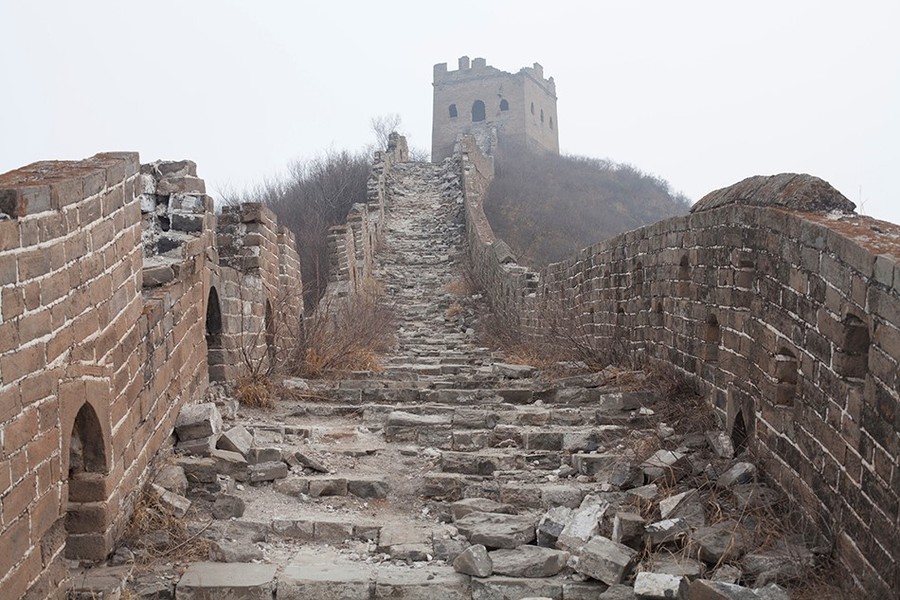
<point x="789" y="319"/>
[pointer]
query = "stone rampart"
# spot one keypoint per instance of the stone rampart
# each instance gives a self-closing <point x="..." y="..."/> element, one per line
<point x="115" y="311"/>
<point x="789" y="319"/>
<point x="352" y="244"/>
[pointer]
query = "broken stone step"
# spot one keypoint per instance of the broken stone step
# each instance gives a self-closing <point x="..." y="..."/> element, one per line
<point x="209" y="580"/>
<point x="498" y="461"/>
<point x="556" y="588"/>
<point x="325" y="531"/>
<point x="318" y="486"/>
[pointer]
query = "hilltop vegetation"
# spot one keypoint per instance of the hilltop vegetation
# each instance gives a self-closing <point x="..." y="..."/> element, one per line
<point x="546" y="207"/>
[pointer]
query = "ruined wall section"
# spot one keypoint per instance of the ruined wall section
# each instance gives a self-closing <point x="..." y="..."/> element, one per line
<point x="352" y="244"/>
<point x="790" y="319"/>
<point x="259" y="271"/>
<point x="70" y="281"/>
<point x="102" y="342"/>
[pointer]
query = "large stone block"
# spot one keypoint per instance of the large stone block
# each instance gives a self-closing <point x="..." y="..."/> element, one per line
<point x="497" y="530"/>
<point x="321" y="580"/>
<point x="528" y="561"/>
<point x="197" y="421"/>
<point x="605" y="560"/>
<point x="216" y="581"/>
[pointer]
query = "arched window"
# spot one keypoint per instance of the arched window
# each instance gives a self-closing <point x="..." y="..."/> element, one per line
<point x="684" y="268"/>
<point x="504" y="105"/>
<point x="478" y="113"/>
<point x="453" y="113"/>
<point x="532" y="108"/>
<point x="542" y="115"/>
<point x="551" y="122"/>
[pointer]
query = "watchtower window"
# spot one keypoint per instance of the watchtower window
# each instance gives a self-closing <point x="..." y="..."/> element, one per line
<point x="504" y="105"/>
<point x="542" y="115"/>
<point x="453" y="113"/>
<point x="532" y="108"/>
<point x="478" y="113"/>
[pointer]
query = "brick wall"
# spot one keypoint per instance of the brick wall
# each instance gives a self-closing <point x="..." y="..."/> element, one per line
<point x="106" y="273"/>
<point x="786" y="314"/>
<point x="352" y="244"/>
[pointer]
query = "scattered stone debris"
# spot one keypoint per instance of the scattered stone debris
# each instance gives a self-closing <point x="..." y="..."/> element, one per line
<point x="456" y="473"/>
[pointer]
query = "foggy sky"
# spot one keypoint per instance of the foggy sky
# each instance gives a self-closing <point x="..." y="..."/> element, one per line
<point x="702" y="94"/>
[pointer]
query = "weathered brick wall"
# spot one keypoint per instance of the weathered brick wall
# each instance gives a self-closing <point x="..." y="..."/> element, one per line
<point x="789" y="319"/>
<point x="100" y="345"/>
<point x="259" y="269"/>
<point x="352" y="244"/>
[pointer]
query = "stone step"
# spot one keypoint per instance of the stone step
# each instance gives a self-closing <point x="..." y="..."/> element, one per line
<point x="329" y="576"/>
<point x="247" y="581"/>
<point x="505" y="488"/>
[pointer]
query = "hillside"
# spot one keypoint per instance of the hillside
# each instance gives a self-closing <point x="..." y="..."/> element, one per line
<point x="546" y="207"/>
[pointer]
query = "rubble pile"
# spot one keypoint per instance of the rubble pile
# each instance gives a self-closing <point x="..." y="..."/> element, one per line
<point x="455" y="473"/>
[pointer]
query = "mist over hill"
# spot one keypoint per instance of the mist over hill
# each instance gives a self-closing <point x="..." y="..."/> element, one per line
<point x="546" y="207"/>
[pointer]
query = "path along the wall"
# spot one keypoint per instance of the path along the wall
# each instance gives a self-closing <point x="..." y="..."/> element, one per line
<point x="121" y="296"/>
<point x="781" y="302"/>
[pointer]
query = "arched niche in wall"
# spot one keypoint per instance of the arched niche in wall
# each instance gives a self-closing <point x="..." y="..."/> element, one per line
<point x="88" y="466"/>
<point x="215" y="349"/>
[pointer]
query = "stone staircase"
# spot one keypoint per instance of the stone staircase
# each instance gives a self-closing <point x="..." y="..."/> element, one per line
<point x="374" y="486"/>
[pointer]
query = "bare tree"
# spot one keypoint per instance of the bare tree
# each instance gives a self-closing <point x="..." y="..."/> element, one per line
<point x="315" y="194"/>
<point x="383" y="126"/>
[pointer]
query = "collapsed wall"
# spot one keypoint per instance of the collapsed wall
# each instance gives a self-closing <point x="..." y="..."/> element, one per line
<point x="781" y="303"/>
<point x="352" y="244"/>
<point x="115" y="311"/>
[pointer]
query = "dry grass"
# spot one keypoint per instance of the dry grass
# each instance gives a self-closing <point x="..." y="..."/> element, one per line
<point x="256" y="391"/>
<point x="150" y="517"/>
<point x="460" y="286"/>
<point x="454" y="310"/>
<point x="344" y="334"/>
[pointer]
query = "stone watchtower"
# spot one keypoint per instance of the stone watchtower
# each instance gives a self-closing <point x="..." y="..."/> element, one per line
<point x="479" y="99"/>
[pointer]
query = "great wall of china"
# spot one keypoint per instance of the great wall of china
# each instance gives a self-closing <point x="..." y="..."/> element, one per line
<point x="122" y="295"/>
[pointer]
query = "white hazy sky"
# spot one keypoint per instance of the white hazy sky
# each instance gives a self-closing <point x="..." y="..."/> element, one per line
<point x="700" y="93"/>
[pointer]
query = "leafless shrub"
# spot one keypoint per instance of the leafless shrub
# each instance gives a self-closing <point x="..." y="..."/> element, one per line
<point x="571" y="330"/>
<point x="343" y="334"/>
<point x="151" y="521"/>
<point x="383" y="126"/>
<point x="256" y="392"/>
<point x="314" y="195"/>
